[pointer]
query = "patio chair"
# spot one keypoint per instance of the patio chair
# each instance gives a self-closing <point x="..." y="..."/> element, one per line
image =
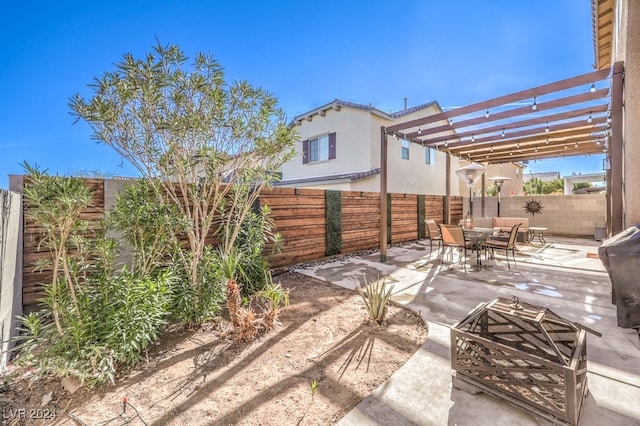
<point x="433" y="233"/>
<point x="508" y="245"/>
<point x="453" y="237"/>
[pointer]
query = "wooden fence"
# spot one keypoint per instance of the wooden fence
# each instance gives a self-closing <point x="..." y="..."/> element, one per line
<point x="302" y="218"/>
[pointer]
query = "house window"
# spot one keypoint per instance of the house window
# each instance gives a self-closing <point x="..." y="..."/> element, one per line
<point x="405" y="150"/>
<point x="321" y="148"/>
<point x="429" y="156"/>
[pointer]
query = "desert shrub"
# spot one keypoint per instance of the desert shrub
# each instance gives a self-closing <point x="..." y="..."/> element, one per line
<point x="376" y="297"/>
<point x="272" y="298"/>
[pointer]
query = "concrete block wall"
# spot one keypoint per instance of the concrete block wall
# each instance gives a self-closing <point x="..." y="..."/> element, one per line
<point x="10" y="271"/>
<point x="570" y="215"/>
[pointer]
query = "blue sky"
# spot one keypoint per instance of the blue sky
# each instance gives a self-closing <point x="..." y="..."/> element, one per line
<point x="306" y="53"/>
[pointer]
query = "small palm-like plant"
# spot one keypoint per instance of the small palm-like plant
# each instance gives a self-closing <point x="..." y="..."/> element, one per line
<point x="275" y="297"/>
<point x="228" y="263"/>
<point x="376" y="296"/>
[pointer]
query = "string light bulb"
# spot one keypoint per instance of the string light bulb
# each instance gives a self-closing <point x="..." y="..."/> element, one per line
<point x="518" y="145"/>
<point x="565" y="147"/>
<point x="576" y="145"/>
<point x="419" y="130"/>
<point x="491" y="148"/>
<point x="547" y="128"/>
<point x="590" y="119"/>
<point x="446" y="143"/>
<point x="547" y="142"/>
<point x="593" y="88"/>
<point x="535" y="104"/>
<point x="473" y="138"/>
<point x="598" y="142"/>
<point x="486" y="114"/>
<point x="609" y="117"/>
<point x="502" y="133"/>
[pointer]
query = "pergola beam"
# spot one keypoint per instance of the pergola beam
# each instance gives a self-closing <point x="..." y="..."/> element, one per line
<point x="516" y="112"/>
<point x="506" y="99"/>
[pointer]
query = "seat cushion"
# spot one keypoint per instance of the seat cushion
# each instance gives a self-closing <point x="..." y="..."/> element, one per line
<point x="496" y="243"/>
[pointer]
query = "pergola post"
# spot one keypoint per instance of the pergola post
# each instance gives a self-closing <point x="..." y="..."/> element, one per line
<point x="383" y="194"/>
<point x="447" y="196"/>
<point x="615" y="154"/>
<point x="484" y="175"/>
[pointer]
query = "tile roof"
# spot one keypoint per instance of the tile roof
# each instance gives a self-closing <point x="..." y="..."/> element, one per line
<point x="337" y="178"/>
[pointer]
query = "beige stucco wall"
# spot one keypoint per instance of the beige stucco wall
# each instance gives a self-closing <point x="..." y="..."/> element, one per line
<point x="510" y="187"/>
<point x="358" y="149"/>
<point x="353" y="136"/>
<point x="627" y="49"/>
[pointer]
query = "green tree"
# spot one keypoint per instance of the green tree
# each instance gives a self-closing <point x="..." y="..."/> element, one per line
<point x="555" y="186"/>
<point x="581" y="185"/>
<point x="535" y="186"/>
<point x="492" y="190"/>
<point x="209" y="146"/>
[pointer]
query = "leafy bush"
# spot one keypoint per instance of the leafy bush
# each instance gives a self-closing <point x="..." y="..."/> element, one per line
<point x="147" y="223"/>
<point x="256" y="233"/>
<point x="196" y="305"/>
<point x="120" y="318"/>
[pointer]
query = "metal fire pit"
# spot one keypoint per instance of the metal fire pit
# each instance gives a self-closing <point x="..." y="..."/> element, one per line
<point x="524" y="354"/>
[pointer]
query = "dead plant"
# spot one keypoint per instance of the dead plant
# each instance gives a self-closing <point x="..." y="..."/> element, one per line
<point x="248" y="325"/>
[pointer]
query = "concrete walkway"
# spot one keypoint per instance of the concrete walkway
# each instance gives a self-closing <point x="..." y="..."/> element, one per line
<point x="564" y="275"/>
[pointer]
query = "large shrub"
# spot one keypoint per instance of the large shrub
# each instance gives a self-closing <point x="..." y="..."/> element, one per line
<point x="120" y="318"/>
<point x="93" y="318"/>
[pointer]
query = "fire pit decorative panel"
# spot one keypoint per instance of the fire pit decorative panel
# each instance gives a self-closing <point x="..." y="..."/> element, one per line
<point x="524" y="354"/>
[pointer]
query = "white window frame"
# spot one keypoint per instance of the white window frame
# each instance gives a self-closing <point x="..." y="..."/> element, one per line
<point x="429" y="156"/>
<point x="405" y="149"/>
<point x="319" y="149"/>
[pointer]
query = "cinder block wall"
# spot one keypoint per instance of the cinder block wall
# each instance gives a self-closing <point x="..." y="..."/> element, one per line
<point x="570" y="215"/>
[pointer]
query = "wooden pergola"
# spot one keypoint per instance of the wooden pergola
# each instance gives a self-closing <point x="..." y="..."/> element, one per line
<point x="581" y="115"/>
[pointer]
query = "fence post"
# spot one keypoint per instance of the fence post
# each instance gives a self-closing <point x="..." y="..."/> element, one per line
<point x="333" y="221"/>
<point x="421" y="217"/>
<point x="389" y="222"/>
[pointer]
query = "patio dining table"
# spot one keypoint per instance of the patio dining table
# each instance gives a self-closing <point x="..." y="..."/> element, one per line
<point x="478" y="235"/>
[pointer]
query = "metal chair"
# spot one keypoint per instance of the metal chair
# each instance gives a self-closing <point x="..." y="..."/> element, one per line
<point x="453" y="237"/>
<point x="433" y="233"/>
<point x="508" y="245"/>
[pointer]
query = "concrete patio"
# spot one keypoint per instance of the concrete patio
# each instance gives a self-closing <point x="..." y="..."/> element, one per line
<point x="564" y="275"/>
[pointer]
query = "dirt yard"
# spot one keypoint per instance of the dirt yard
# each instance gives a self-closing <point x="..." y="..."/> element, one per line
<point x="202" y="378"/>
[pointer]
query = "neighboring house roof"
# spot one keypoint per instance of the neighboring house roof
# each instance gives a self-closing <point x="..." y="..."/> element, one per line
<point x="337" y="105"/>
<point x="338" y="178"/>
<point x="545" y="177"/>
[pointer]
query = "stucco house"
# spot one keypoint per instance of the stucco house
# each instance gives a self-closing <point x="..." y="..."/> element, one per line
<point x="339" y="149"/>
<point x="513" y="186"/>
